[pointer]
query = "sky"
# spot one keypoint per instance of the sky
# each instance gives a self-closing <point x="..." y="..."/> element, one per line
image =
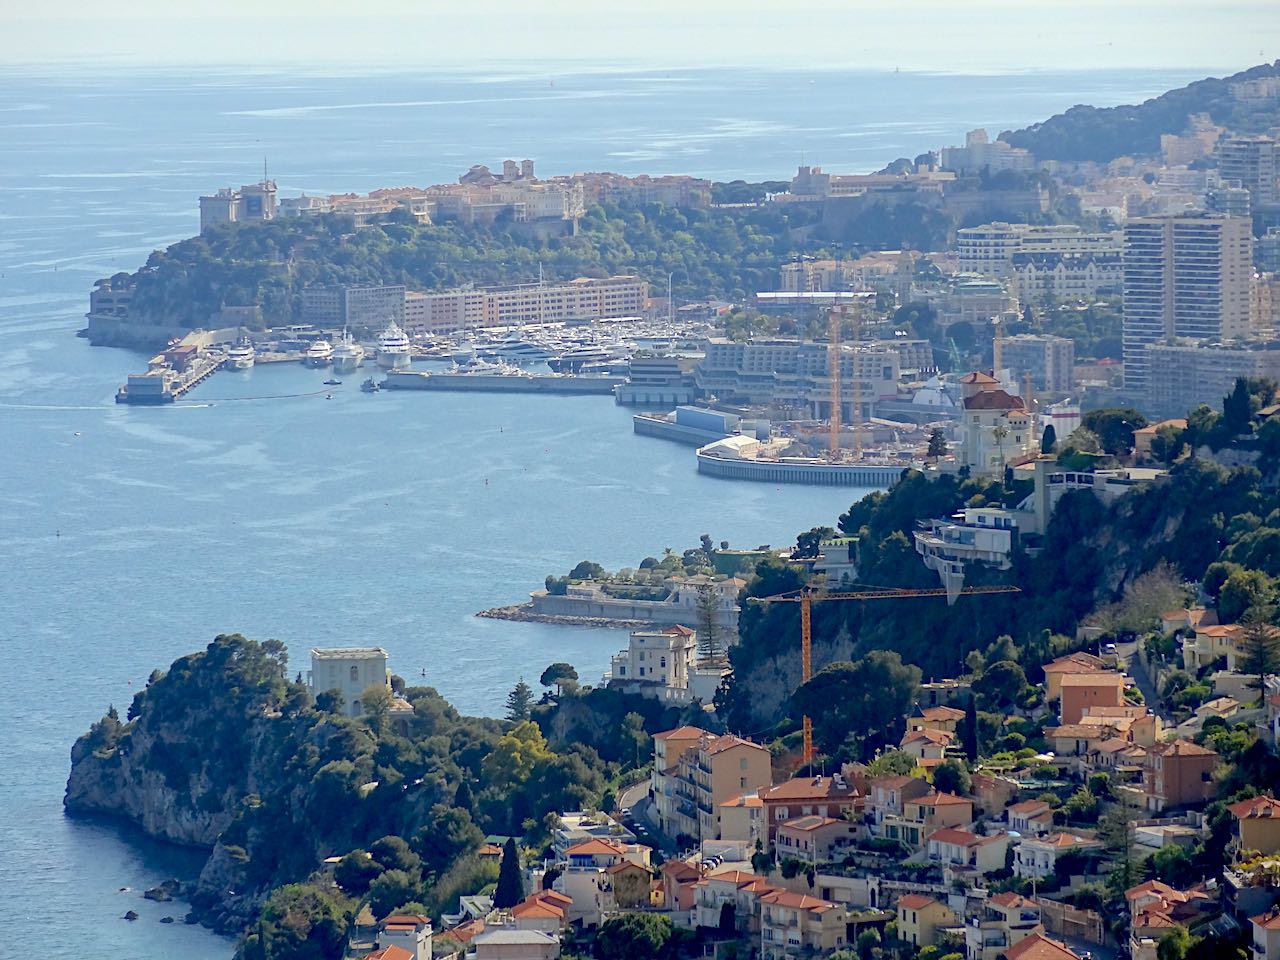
<point x="946" y="35"/>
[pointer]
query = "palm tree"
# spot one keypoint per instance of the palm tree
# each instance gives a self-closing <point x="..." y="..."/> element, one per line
<point x="1001" y="432"/>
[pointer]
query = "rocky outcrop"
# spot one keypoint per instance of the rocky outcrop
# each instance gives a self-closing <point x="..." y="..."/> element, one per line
<point x="122" y="782"/>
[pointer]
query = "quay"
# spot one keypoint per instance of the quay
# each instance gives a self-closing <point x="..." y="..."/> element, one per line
<point x="169" y="376"/>
<point x="501" y="383"/>
<point x="818" y="473"/>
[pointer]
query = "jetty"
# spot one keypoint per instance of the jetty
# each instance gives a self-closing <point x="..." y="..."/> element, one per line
<point x="559" y="383"/>
<point x="182" y="366"/>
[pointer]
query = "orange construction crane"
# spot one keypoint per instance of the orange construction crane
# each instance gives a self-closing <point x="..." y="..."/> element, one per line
<point x="808" y="597"/>
<point x="833" y="377"/>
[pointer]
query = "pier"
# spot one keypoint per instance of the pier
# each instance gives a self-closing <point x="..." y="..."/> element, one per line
<point x="501" y="382"/>
<point x="162" y="383"/>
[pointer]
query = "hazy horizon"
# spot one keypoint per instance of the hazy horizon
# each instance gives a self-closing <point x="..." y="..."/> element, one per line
<point x="930" y="36"/>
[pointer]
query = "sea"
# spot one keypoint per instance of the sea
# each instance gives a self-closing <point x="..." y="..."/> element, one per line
<point x="131" y="536"/>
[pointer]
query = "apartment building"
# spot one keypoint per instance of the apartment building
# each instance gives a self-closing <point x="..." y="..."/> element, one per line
<point x="1050" y="360"/>
<point x="1184" y="276"/>
<point x="371" y="308"/>
<point x="795" y="924"/>
<point x="979" y="535"/>
<point x="795" y="373"/>
<point x="821" y="796"/>
<point x="1041" y="277"/>
<point x="981" y="153"/>
<point x="253" y="201"/>
<point x="708" y="770"/>
<point x="1005" y="921"/>
<point x="1252" y="161"/>
<point x="449" y="311"/>
<point x="1179" y="773"/>
<point x="990" y="249"/>
<point x="921" y="919"/>
<point x="1185" y="372"/>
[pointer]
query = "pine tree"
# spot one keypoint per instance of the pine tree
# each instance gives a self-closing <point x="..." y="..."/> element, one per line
<point x="971" y="730"/>
<point x="519" y="701"/>
<point x="709" y="645"/>
<point x="462" y="798"/>
<point x="1049" y="440"/>
<point x="1260" y="649"/>
<point x="510" y="889"/>
<point x="937" y="445"/>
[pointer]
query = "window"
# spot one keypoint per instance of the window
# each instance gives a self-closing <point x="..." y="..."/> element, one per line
<point x="742" y="764"/>
<point x="742" y="781"/>
<point x="355" y="674"/>
<point x="663" y="664"/>
<point x="642" y="671"/>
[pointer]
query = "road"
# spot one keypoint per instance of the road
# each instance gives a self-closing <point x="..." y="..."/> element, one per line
<point x="1128" y="653"/>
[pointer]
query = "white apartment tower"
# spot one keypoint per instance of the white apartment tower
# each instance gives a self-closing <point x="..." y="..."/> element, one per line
<point x="1184" y="276"/>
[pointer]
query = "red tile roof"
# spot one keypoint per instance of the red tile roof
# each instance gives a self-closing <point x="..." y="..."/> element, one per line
<point x="1038" y="947"/>
<point x="961" y="838"/>
<point x="915" y="901"/>
<point x="993" y="400"/>
<point x="1008" y="900"/>
<point x="1256" y="808"/>
<point x="680" y="733"/>
<point x="797" y="901"/>
<point x="936" y="798"/>
<point x="392" y="952"/>
<point x="1269" y="920"/>
<point x="594" y="847"/>
<point x="807" y="788"/>
<point x="1182" y="748"/>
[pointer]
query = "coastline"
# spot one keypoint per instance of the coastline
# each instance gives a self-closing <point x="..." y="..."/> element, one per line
<point x="524" y="613"/>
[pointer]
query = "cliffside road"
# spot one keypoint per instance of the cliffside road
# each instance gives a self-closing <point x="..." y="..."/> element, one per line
<point x="1128" y="653"/>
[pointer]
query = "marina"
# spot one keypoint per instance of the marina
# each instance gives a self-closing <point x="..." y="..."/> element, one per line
<point x="502" y="382"/>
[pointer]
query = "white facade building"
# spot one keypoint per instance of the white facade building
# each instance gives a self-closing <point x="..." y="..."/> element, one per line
<point x="349" y="670"/>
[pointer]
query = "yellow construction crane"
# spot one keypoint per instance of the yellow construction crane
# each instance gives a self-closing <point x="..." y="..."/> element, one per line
<point x="808" y="597"/>
<point x="833" y="377"/>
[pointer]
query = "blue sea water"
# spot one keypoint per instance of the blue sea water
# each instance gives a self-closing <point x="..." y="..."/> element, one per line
<point x="131" y="536"/>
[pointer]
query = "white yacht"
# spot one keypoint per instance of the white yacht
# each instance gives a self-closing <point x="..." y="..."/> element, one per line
<point x="393" y="349"/>
<point x="348" y="355"/>
<point x="241" y="355"/>
<point x="319" y="354"/>
<point x="573" y="360"/>
<point x="517" y="351"/>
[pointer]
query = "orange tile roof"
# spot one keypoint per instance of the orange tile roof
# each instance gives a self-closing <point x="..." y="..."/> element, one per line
<point x="751" y="799"/>
<point x="807" y="788"/>
<point x="1269" y="920"/>
<point x="797" y="901"/>
<point x="941" y="713"/>
<point x="811" y="822"/>
<point x="1039" y="947"/>
<point x="961" y="838"/>
<point x="1153" y="888"/>
<point x="1256" y="808"/>
<point x="1094" y="678"/>
<point x="536" y="909"/>
<point x="680" y="870"/>
<point x="1075" y="663"/>
<point x="933" y="736"/>
<point x="622" y="865"/>
<point x="728" y="742"/>
<point x="680" y="733"/>
<point x="1063" y="841"/>
<point x="936" y="798"/>
<point x="392" y="952"/>
<point x="1182" y="748"/>
<point x="1030" y="806"/>
<point x="466" y="932"/>
<point x="1009" y="900"/>
<point x="408" y="919"/>
<point x="915" y="901"/>
<point x="594" y="847"/>
<point x="740" y="877"/>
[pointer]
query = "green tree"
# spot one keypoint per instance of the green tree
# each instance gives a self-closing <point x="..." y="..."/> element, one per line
<point x="447" y="835"/>
<point x="710" y="634"/>
<point x="355" y="871"/>
<point x="556" y="674"/>
<point x="1243" y="590"/>
<point x="1260" y="648"/>
<point x="937" y="445"/>
<point x="1175" y="944"/>
<point x="463" y="799"/>
<point x="510" y="889"/>
<point x="634" y="736"/>
<point x="1114" y="428"/>
<point x="376" y="702"/>
<point x="1049" y="439"/>
<point x="809" y="543"/>
<point x="1001" y="683"/>
<point x="891" y="763"/>
<point x="391" y="889"/>
<point x="1168" y="443"/>
<point x="1238" y="407"/>
<point x="392" y="853"/>
<point x="588" y="570"/>
<point x="866" y="700"/>
<point x="298" y="922"/>
<point x="519" y="702"/>
<point x="633" y="936"/>
<point x="951" y="776"/>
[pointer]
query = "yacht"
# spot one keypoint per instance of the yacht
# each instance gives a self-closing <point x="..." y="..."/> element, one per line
<point x="393" y="349"/>
<point x="348" y="354"/>
<point x="240" y="355"/>
<point x="517" y="351"/>
<point x="319" y="354"/>
<point x="574" y="359"/>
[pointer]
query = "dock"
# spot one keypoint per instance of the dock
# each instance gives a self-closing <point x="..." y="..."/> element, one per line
<point x="164" y="384"/>
<point x="502" y="382"/>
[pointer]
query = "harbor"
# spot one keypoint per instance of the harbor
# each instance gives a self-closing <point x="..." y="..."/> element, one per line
<point x="517" y="381"/>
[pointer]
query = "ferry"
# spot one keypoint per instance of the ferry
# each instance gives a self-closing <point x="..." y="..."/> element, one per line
<point x="319" y="354"/>
<point x="240" y="356"/>
<point x="348" y="355"/>
<point x="393" y="349"/>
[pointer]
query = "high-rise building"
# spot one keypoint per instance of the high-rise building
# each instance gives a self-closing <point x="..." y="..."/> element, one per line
<point x="1184" y="276"/>
<point x="369" y="307"/>
<point x="1050" y="360"/>
<point x="1252" y="161"/>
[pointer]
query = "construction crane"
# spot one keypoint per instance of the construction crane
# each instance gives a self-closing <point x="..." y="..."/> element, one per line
<point x="833" y="378"/>
<point x="807" y="597"/>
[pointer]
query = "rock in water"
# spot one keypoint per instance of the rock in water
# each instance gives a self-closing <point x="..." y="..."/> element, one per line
<point x="130" y="916"/>
<point x="166" y="919"/>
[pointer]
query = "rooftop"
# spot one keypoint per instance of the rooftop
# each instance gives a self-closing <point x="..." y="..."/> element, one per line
<point x="1038" y="947"/>
<point x="680" y="733"/>
<point x="915" y="901"/>
<point x="807" y="788"/>
<point x="1256" y="808"/>
<point x="347" y="653"/>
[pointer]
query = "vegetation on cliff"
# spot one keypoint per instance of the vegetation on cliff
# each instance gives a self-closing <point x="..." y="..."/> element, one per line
<point x="277" y="784"/>
<point x="1104" y="133"/>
